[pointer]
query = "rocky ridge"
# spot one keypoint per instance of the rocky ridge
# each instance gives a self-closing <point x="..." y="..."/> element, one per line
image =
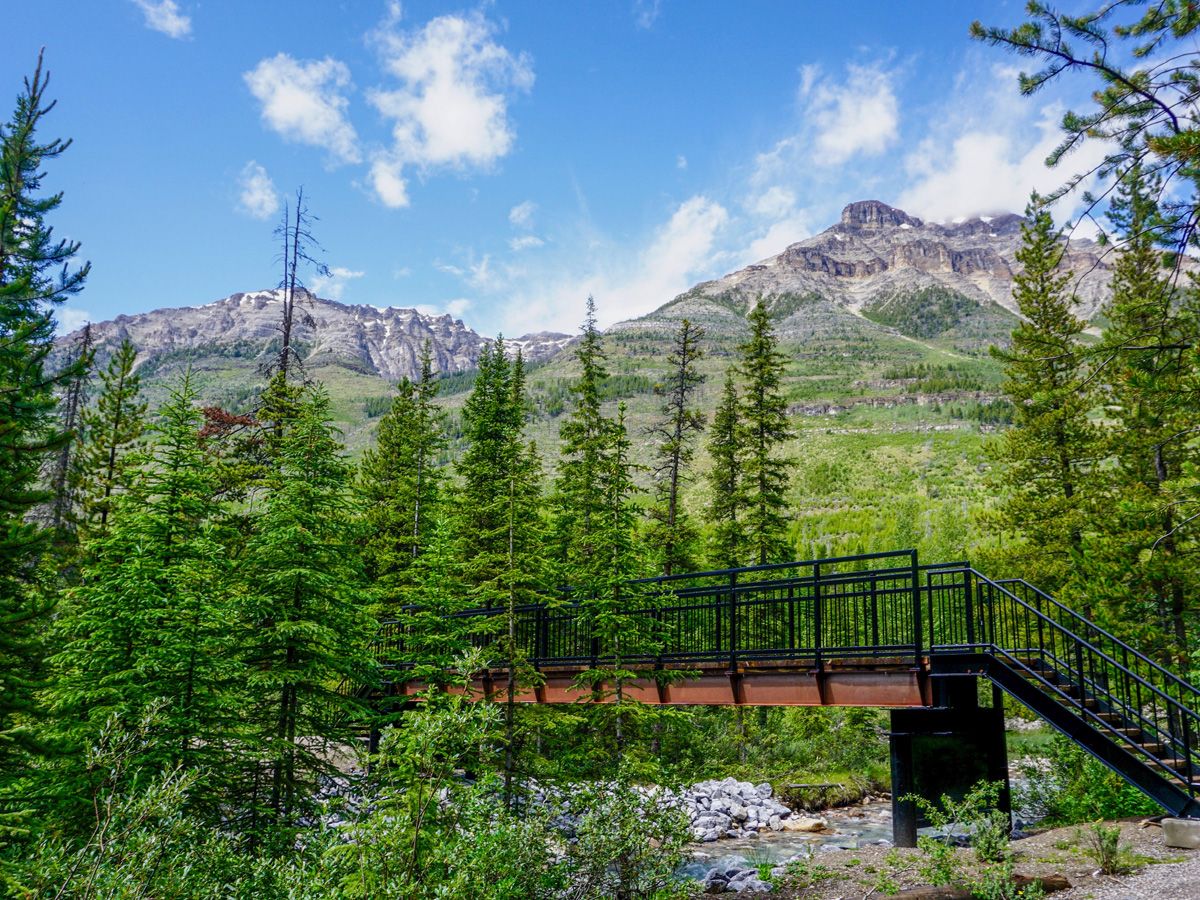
<point x="380" y="341"/>
<point x="876" y="253"/>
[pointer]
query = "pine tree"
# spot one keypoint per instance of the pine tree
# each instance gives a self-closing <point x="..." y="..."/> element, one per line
<point x="1139" y="559"/>
<point x="727" y="543"/>
<point x="305" y="631"/>
<point x="63" y="484"/>
<point x="1046" y="456"/>
<point x="764" y="428"/>
<point x="35" y="276"/>
<point x="110" y="432"/>
<point x="499" y="523"/>
<point x="400" y="480"/>
<point x="617" y="615"/>
<point x="671" y="532"/>
<point x="586" y="438"/>
<point x="147" y="630"/>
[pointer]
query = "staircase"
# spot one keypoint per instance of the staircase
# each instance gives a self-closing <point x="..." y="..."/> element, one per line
<point x="1135" y="716"/>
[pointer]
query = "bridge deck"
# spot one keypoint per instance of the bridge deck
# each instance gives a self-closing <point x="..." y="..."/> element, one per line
<point x="883" y="683"/>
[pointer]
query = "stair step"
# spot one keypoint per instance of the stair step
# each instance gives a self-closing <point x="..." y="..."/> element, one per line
<point x="1176" y="764"/>
<point x="1086" y="703"/>
<point x="1154" y="749"/>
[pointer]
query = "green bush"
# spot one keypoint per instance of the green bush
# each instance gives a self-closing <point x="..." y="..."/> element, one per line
<point x="1072" y="787"/>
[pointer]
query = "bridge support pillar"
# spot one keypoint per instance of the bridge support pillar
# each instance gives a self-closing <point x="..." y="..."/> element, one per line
<point x="945" y="749"/>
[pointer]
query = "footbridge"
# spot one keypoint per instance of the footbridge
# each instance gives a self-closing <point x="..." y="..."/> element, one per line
<point x="876" y="630"/>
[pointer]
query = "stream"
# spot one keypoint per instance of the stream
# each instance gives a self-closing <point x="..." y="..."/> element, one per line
<point x="868" y="824"/>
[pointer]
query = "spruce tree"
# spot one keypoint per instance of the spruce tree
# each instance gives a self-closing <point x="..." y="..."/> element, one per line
<point x="304" y="630"/>
<point x="1139" y="560"/>
<point x="764" y="428"/>
<point x="63" y="484"/>
<point x="671" y="533"/>
<point x="1045" y="458"/>
<point x="147" y="630"/>
<point x="110" y="432"/>
<point x="500" y="526"/>
<point x="586" y="437"/>
<point x="400" y="481"/>
<point x="727" y="541"/>
<point x="35" y="276"/>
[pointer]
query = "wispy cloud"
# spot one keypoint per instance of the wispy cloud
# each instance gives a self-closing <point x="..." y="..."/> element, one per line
<point x="333" y="285"/>
<point x="68" y="318"/>
<point x="525" y="242"/>
<point x="646" y="13"/>
<point x="258" y="196"/>
<point x="521" y="215"/>
<point x="305" y="102"/>
<point x="165" y="16"/>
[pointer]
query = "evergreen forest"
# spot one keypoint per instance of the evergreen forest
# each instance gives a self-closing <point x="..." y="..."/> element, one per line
<point x="192" y="596"/>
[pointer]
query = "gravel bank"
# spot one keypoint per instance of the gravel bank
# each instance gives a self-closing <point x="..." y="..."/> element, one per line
<point x="1163" y="873"/>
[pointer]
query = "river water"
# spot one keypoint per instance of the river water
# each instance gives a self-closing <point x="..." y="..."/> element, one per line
<point x="868" y="824"/>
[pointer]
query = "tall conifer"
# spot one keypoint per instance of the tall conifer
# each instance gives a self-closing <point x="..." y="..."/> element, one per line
<point x="1140" y="561"/>
<point x="35" y="276"/>
<point x="671" y="532"/>
<point x="110" y="431"/>
<point x="764" y="429"/>
<point x="401" y="483"/>
<point x="305" y="630"/>
<point x="148" y="628"/>
<point x="1047" y="455"/>
<point x="727" y="539"/>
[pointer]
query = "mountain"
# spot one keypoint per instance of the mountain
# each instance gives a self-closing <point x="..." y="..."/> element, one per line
<point x="378" y="341"/>
<point x="881" y="264"/>
<point x="881" y="311"/>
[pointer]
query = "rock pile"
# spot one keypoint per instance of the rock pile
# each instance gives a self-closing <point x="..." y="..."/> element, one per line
<point x="734" y="879"/>
<point x="732" y="808"/>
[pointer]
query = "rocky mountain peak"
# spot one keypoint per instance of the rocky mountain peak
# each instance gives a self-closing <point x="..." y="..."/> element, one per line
<point x="875" y="215"/>
<point x="382" y="341"/>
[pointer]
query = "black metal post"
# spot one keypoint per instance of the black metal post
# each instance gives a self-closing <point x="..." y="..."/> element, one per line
<point x="904" y="811"/>
<point x="733" y="621"/>
<point x="969" y="596"/>
<point x="916" y="608"/>
<point x="817" y="617"/>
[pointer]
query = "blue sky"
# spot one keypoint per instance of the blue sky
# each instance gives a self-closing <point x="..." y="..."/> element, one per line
<point x="500" y="161"/>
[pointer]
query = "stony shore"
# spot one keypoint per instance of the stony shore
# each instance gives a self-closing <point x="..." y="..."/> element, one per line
<point x="1161" y="873"/>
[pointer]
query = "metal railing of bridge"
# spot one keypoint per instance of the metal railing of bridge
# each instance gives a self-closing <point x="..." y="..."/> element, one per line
<point x="868" y="608"/>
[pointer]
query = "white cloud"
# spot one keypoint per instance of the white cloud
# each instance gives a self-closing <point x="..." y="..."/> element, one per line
<point x="988" y="152"/>
<point x="455" y="308"/>
<point x="451" y="108"/>
<point x="305" y="102"/>
<point x="525" y="242"/>
<point x="680" y="250"/>
<point x="259" y="197"/>
<point x="681" y="162"/>
<point x="388" y="182"/>
<point x="858" y="116"/>
<point x="333" y="285"/>
<point x="67" y="319"/>
<point x="646" y="12"/>
<point x="774" y="202"/>
<point x="778" y="237"/>
<point x="166" y="17"/>
<point x="521" y="215"/>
